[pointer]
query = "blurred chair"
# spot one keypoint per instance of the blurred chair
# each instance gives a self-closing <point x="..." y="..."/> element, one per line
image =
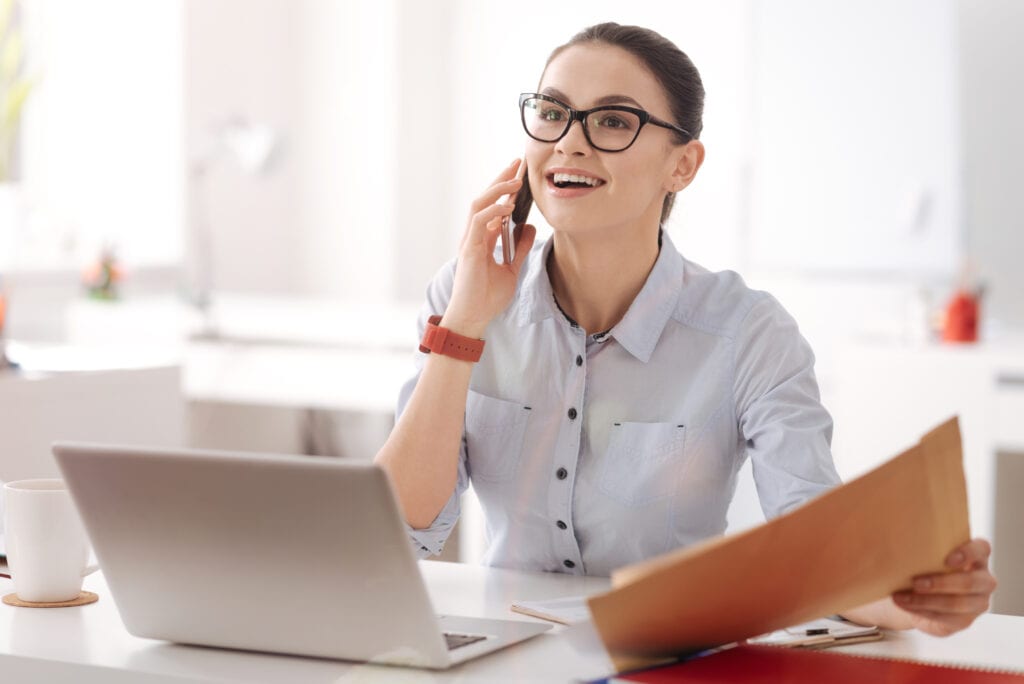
<point x="1008" y="549"/>
<point x="136" y="406"/>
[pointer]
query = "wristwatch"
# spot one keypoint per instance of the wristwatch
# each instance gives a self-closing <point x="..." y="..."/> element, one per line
<point x="447" y="343"/>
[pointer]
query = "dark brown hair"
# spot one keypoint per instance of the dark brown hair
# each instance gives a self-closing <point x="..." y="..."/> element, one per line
<point x="668" y="64"/>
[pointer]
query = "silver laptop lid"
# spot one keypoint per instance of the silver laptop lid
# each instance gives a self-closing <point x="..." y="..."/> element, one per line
<point x="274" y="553"/>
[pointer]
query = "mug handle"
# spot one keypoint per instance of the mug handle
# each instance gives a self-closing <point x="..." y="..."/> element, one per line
<point x="89" y="569"/>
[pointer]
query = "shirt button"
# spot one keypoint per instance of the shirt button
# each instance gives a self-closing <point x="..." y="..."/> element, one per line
<point x="562" y="473"/>
<point x="568" y="564"/>
<point x="561" y="525"/>
<point x="579" y="360"/>
<point x="572" y="414"/>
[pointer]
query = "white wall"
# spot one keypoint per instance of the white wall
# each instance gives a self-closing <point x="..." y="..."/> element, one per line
<point x="103" y="136"/>
<point x="991" y="57"/>
<point x="345" y="146"/>
<point x="424" y="210"/>
<point x="324" y="75"/>
<point x="243" y="59"/>
<point x="131" y="91"/>
<point x="857" y="145"/>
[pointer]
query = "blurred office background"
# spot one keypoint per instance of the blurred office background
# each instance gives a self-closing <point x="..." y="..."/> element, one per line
<point x="275" y="183"/>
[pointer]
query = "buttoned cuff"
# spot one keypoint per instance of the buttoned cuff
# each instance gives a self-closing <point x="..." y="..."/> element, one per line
<point x="430" y="540"/>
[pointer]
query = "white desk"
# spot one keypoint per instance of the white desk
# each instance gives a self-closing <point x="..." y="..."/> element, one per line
<point x="89" y="644"/>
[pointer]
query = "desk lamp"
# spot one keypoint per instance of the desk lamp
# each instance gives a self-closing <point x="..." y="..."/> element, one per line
<point x="255" y="148"/>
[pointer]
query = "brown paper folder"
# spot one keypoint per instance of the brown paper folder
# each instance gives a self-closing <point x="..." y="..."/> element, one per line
<point x="855" y="544"/>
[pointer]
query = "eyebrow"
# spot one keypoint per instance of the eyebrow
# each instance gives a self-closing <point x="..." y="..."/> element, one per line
<point x="606" y="100"/>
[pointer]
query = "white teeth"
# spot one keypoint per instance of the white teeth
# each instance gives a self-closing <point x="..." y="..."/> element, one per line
<point x="571" y="178"/>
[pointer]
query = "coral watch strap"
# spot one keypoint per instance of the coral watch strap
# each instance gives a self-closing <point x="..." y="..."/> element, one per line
<point x="447" y="343"/>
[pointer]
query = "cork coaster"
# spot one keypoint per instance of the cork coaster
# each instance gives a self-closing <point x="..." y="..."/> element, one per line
<point x="84" y="598"/>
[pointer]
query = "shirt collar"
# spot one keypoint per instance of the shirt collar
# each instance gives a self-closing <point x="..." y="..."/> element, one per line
<point x="536" y="299"/>
<point x="639" y="330"/>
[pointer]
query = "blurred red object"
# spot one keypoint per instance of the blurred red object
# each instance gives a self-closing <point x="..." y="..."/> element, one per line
<point x="961" y="323"/>
<point x="3" y="311"/>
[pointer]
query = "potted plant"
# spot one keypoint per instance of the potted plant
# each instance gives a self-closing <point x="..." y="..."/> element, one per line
<point x="14" y="86"/>
<point x="14" y="92"/>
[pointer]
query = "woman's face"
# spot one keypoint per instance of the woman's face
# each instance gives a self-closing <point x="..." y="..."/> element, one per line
<point x="628" y="186"/>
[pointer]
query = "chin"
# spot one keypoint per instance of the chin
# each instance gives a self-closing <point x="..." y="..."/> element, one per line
<point x="573" y="220"/>
<point x="596" y="227"/>
<point x="573" y="225"/>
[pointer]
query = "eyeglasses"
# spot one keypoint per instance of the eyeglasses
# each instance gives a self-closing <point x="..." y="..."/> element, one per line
<point x="611" y="128"/>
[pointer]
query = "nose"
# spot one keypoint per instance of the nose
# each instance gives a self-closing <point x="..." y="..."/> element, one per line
<point x="574" y="142"/>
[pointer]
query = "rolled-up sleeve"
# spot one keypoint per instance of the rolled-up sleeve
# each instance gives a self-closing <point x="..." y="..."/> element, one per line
<point x="430" y="540"/>
<point x="786" y="430"/>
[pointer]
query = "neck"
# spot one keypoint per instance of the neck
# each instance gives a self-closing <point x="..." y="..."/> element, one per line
<point x="596" y="280"/>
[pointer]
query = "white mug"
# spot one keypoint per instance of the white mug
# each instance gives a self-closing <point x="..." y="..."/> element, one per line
<point x="47" y="548"/>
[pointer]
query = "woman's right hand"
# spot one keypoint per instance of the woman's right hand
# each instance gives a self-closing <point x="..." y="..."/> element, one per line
<point x="483" y="287"/>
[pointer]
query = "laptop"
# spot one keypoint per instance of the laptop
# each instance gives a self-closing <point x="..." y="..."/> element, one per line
<point x="286" y="554"/>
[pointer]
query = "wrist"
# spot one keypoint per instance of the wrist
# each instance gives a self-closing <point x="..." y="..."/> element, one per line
<point x="462" y="326"/>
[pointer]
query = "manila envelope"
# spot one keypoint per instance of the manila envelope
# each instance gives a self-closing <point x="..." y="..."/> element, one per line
<point x="854" y="544"/>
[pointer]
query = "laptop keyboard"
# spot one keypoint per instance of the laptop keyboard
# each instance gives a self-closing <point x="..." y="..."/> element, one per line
<point x="457" y="640"/>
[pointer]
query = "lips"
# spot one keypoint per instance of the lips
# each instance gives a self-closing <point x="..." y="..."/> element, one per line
<point x="572" y="182"/>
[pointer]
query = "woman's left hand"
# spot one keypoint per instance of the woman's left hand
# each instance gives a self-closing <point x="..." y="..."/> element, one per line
<point x="949" y="602"/>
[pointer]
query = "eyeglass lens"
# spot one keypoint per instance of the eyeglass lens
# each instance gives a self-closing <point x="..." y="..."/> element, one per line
<point x="607" y="129"/>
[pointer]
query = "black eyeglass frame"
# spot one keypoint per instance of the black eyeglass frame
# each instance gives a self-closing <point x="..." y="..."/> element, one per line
<point x="582" y="114"/>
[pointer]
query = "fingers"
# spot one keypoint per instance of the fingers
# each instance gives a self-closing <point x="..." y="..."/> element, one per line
<point x="941" y="624"/>
<point x="942" y="604"/>
<point x="504" y="184"/>
<point x="945" y="603"/>
<point x="483" y="208"/>
<point x="484" y="224"/>
<point x="493" y="232"/>
<point x="973" y="582"/>
<point x="525" y="234"/>
<point x="974" y="553"/>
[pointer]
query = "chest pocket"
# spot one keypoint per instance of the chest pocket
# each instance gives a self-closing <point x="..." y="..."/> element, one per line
<point x="644" y="462"/>
<point x="494" y="436"/>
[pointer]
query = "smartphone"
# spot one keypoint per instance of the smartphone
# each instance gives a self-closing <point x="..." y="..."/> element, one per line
<point x="523" y="201"/>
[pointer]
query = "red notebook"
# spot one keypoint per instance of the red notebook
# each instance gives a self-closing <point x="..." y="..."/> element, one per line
<point x="775" y="665"/>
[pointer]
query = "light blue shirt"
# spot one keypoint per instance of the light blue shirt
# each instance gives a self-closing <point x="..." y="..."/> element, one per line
<point x="589" y="453"/>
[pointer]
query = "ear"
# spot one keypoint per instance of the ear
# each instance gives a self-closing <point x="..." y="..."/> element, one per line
<point x="688" y="160"/>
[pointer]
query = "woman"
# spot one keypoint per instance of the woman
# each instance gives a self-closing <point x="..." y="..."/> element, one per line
<point x="622" y="386"/>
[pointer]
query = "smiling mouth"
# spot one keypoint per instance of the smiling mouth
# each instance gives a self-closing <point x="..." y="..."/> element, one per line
<point x="568" y="180"/>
